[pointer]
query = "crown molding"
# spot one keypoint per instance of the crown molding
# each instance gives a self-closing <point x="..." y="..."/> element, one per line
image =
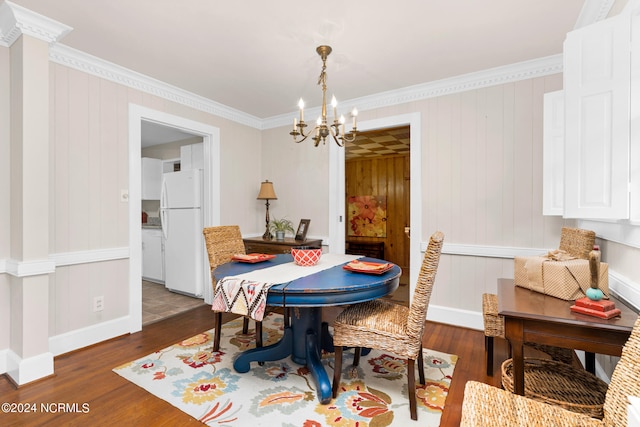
<point x="593" y="11"/>
<point x="486" y="78"/>
<point x="16" y="20"/>
<point x="81" y="61"/>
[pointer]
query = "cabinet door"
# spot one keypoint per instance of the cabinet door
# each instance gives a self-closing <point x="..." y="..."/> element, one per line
<point x="634" y="149"/>
<point x="152" y="256"/>
<point x="597" y="86"/>
<point x="553" y="154"/>
<point x="151" y="178"/>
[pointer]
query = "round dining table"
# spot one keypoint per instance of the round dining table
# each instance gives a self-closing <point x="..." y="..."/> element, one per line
<point x="305" y="336"/>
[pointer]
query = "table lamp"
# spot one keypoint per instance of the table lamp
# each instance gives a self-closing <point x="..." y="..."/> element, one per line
<point x="267" y="193"/>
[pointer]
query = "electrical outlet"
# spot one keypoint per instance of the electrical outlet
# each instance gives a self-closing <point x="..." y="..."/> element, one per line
<point x="98" y="303"/>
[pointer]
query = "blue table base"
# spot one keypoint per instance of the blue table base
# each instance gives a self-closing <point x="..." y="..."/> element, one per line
<point x="303" y="340"/>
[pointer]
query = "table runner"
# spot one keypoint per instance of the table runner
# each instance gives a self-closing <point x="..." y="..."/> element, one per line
<point x="246" y="293"/>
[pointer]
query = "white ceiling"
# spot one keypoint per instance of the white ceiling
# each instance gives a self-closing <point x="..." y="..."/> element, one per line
<point x="259" y="56"/>
<point x="157" y="134"/>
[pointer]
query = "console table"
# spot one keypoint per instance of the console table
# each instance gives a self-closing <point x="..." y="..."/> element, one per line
<point x="258" y="245"/>
<point x="370" y="249"/>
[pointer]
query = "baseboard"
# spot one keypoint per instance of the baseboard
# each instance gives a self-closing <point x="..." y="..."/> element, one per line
<point x="4" y="354"/>
<point x="456" y="317"/>
<point x="22" y="371"/>
<point x="79" y="338"/>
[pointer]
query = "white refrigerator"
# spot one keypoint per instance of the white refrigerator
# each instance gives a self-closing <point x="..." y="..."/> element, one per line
<point x="181" y="218"/>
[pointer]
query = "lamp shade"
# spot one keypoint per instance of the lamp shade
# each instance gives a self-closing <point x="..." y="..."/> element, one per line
<point x="266" y="191"/>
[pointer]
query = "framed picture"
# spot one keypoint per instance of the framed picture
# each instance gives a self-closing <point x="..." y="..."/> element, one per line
<point x="301" y="234"/>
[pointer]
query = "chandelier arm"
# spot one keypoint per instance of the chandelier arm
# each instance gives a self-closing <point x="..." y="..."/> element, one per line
<point x="304" y="137"/>
<point x="335" y="133"/>
<point x="337" y="140"/>
<point x="351" y="138"/>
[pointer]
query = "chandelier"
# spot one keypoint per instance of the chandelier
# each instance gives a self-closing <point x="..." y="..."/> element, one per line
<point x="322" y="129"/>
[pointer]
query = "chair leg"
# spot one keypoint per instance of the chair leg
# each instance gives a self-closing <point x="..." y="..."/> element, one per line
<point x="411" y="374"/>
<point x="337" y="371"/>
<point x="488" y="352"/>
<point x="356" y="356"/>
<point x="245" y="325"/>
<point x="258" y="334"/>
<point x="259" y="337"/>
<point x="421" y="367"/>
<point x="217" y="325"/>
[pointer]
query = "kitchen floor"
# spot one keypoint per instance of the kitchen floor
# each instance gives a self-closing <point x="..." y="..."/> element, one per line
<point x="159" y="303"/>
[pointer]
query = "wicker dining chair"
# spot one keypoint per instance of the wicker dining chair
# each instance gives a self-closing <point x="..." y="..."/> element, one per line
<point x="485" y="405"/>
<point x="390" y="327"/>
<point x="577" y="243"/>
<point x="223" y="242"/>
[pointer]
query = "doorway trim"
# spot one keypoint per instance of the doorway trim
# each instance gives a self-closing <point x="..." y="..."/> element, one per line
<point x="337" y="186"/>
<point x="211" y="188"/>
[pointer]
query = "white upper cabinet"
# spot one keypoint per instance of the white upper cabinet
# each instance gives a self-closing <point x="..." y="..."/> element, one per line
<point x="553" y="154"/>
<point x="192" y="156"/>
<point x="597" y="87"/>
<point x="151" y="178"/>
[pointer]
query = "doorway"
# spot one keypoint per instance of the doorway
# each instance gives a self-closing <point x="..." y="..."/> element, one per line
<point x="162" y="147"/>
<point x="378" y="183"/>
<point x="337" y="235"/>
<point x="211" y="188"/>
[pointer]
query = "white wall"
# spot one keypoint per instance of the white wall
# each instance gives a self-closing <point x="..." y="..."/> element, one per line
<point x="482" y="183"/>
<point x="90" y="157"/>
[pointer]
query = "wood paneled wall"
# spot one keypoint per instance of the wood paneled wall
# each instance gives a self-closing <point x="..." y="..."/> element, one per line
<point x="384" y="176"/>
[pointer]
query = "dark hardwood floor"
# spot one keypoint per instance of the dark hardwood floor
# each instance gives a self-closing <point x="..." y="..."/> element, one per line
<point x="85" y="376"/>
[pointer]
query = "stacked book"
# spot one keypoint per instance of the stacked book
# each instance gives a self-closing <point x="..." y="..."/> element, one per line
<point x="603" y="309"/>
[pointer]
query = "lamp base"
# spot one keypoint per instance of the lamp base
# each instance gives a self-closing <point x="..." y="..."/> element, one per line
<point x="267" y="236"/>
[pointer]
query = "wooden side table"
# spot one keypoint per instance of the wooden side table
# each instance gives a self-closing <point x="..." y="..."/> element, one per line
<point x="258" y="245"/>
<point x="531" y="316"/>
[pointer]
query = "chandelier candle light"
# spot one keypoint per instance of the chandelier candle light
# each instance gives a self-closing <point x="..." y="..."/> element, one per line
<point x="322" y="130"/>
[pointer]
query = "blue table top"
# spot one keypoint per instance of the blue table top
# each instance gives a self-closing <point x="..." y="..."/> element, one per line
<point x="333" y="286"/>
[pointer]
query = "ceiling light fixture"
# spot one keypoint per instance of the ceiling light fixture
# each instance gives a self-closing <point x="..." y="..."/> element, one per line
<point x="322" y="129"/>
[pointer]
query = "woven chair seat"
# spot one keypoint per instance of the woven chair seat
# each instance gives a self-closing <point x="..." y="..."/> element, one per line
<point x="389" y="320"/>
<point x="559" y="384"/>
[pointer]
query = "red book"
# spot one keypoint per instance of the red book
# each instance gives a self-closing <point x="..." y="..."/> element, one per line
<point x="596" y="313"/>
<point x="601" y="305"/>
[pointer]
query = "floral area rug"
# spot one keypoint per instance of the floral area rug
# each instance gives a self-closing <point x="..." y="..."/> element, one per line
<point x="204" y="384"/>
